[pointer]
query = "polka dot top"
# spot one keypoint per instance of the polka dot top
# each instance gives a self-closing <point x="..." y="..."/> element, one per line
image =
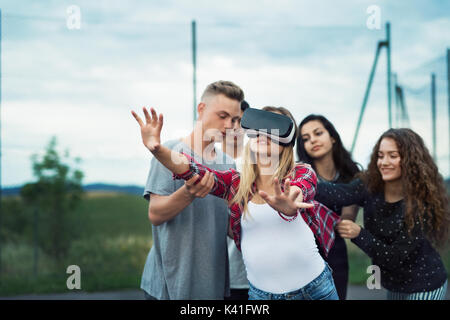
<point x="408" y="262"/>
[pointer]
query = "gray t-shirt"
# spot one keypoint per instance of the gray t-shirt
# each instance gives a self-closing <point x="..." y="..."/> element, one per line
<point x="188" y="259"/>
<point x="238" y="273"/>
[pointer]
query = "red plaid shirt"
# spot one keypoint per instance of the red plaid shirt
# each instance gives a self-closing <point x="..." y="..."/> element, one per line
<point x="319" y="218"/>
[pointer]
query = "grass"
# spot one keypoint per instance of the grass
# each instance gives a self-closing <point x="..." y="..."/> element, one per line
<point x="121" y="215"/>
<point x="111" y="251"/>
<point x="358" y="261"/>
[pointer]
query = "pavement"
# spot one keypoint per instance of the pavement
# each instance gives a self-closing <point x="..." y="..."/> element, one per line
<point x="353" y="293"/>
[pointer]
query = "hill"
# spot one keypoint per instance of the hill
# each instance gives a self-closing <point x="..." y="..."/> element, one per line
<point x="97" y="187"/>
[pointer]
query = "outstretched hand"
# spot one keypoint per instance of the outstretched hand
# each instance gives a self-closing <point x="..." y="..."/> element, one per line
<point x="151" y="130"/>
<point x="287" y="202"/>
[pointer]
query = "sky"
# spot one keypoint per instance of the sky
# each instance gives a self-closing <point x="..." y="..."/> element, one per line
<point x="80" y="84"/>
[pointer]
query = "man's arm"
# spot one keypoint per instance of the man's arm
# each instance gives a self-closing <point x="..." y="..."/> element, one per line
<point x="164" y="208"/>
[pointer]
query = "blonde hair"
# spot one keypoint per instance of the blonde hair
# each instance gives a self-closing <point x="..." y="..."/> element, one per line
<point x="250" y="171"/>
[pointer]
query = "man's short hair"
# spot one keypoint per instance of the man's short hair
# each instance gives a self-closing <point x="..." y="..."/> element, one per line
<point x="227" y="88"/>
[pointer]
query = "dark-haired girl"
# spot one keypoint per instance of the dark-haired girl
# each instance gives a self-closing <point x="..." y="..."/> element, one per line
<point x="406" y="216"/>
<point x="320" y="145"/>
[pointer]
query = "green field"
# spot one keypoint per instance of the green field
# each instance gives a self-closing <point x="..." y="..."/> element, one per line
<point x="111" y="251"/>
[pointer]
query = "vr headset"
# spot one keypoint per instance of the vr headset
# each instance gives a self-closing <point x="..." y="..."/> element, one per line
<point x="279" y="128"/>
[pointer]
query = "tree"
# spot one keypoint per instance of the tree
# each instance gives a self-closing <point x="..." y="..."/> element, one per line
<point x="56" y="194"/>
<point x="16" y="221"/>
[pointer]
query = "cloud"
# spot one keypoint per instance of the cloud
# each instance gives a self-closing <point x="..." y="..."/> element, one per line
<point x="309" y="57"/>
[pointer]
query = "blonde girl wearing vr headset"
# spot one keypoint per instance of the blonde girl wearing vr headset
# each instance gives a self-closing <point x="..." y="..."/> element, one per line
<point x="274" y="220"/>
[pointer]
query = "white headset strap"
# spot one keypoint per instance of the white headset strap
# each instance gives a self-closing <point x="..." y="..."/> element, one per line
<point x="285" y="140"/>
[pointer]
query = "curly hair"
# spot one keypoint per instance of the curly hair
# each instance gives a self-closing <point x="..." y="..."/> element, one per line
<point x="424" y="190"/>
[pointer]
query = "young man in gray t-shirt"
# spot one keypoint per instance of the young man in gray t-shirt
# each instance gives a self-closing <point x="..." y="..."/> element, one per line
<point x="189" y="259"/>
<point x="233" y="145"/>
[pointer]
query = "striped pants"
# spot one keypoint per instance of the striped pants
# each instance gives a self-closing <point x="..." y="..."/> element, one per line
<point x="438" y="294"/>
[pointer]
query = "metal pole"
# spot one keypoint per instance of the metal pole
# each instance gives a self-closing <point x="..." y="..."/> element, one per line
<point x="35" y="241"/>
<point x="448" y="96"/>
<point x="405" y="116"/>
<point x="433" y="113"/>
<point x="397" y="101"/>
<point x="194" y="65"/>
<point x="388" y="41"/>
<point x="366" y="95"/>
<point x="1" y="21"/>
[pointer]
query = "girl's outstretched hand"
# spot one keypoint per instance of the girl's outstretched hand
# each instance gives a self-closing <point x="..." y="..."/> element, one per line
<point x="151" y="130"/>
<point x="287" y="202"/>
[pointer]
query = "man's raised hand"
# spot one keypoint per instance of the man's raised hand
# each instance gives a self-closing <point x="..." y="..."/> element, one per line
<point x="151" y="129"/>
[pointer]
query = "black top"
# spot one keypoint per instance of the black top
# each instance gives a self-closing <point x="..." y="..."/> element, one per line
<point x="408" y="263"/>
<point x="337" y="257"/>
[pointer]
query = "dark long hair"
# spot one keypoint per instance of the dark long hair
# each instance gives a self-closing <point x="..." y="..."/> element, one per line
<point x="342" y="159"/>
<point x="424" y="190"/>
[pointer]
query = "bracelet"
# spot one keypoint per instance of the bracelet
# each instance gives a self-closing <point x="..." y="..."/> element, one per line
<point x="290" y="219"/>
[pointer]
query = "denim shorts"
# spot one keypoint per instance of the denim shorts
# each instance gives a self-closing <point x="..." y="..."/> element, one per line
<point x="321" y="288"/>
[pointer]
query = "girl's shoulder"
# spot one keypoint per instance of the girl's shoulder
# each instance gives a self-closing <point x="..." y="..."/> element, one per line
<point x="301" y="168"/>
<point x="302" y="165"/>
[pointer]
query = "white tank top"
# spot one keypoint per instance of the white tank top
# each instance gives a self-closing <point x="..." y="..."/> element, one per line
<point x="279" y="256"/>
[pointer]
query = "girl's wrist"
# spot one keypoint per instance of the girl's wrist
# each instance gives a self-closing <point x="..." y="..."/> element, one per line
<point x="290" y="211"/>
<point x="288" y="218"/>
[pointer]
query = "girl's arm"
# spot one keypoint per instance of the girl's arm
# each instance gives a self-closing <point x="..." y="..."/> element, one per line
<point x="350" y="212"/>
<point x="337" y="195"/>
<point x="224" y="181"/>
<point x="181" y="165"/>
<point x="164" y="208"/>
<point x="390" y="255"/>
<point x="305" y="178"/>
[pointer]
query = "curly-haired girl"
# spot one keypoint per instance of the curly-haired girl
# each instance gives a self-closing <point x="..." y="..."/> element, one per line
<point x="406" y="215"/>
